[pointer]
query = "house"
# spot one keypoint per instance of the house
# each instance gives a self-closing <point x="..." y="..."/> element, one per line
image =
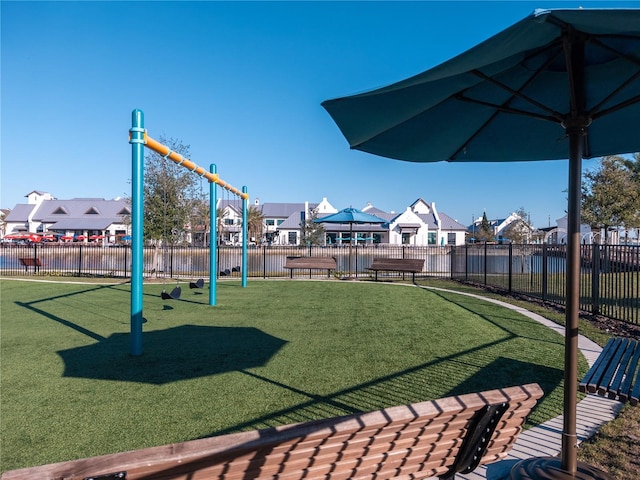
<point x="84" y="219"/>
<point x="501" y="226"/>
<point x="558" y="234"/>
<point x="420" y="224"/>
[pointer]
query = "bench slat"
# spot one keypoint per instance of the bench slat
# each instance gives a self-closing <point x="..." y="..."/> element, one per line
<point x="418" y="440"/>
<point x="410" y="265"/>
<point x="27" y="262"/>
<point x="614" y="363"/>
<point x="627" y="384"/>
<point x="592" y="378"/>
<point x="614" y="373"/>
<point x="615" y="387"/>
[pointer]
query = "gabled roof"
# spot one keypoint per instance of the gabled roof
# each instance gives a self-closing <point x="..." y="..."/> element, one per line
<point x="449" y="223"/>
<point x="235" y="204"/>
<point x="80" y="208"/>
<point x="371" y="210"/>
<point x="283" y="210"/>
<point x="20" y="213"/>
<point x="101" y="223"/>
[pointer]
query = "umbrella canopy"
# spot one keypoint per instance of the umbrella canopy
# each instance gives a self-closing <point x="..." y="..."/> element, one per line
<point x="350" y="216"/>
<point x="558" y="84"/>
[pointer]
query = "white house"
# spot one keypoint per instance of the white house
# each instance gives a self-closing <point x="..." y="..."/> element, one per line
<point x="79" y="218"/>
<point x="559" y="234"/>
<point x="419" y="224"/>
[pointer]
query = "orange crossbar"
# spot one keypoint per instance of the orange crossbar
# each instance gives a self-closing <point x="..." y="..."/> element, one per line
<point x="188" y="164"/>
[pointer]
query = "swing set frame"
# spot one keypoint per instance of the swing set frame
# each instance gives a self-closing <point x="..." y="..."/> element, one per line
<point x="139" y="139"/>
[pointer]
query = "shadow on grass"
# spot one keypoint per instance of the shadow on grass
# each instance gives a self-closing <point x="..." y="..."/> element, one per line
<point x="179" y="353"/>
<point x="400" y="388"/>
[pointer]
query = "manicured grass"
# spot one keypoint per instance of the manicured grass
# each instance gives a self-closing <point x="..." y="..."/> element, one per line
<point x="276" y="352"/>
<point x="616" y="447"/>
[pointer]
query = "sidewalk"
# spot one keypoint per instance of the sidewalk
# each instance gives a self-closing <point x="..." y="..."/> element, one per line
<point x="545" y="439"/>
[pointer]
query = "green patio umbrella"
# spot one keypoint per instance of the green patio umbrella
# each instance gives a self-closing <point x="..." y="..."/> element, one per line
<point x="350" y="216"/>
<point x="558" y="84"/>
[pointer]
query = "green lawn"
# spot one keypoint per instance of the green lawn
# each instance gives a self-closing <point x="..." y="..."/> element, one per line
<point x="273" y="353"/>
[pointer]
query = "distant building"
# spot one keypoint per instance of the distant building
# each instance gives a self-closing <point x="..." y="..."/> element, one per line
<point x="419" y="224"/>
<point x="97" y="219"/>
<point x="501" y="226"/>
<point x="78" y="219"/>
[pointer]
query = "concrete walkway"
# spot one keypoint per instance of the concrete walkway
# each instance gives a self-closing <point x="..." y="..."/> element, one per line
<point x="545" y="439"/>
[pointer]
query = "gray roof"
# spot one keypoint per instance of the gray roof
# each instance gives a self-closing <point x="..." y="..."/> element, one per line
<point x="291" y="223"/>
<point x="20" y="213"/>
<point x="449" y="223"/>
<point x="283" y="210"/>
<point x="101" y="223"/>
<point x="81" y="208"/>
<point x="429" y="219"/>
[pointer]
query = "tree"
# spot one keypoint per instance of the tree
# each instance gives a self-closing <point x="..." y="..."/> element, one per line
<point x="199" y="222"/>
<point x="220" y="225"/>
<point x="519" y="231"/>
<point x="255" y="222"/>
<point x="633" y="220"/>
<point x="485" y="232"/>
<point x="312" y="233"/>
<point x="170" y="192"/>
<point x="610" y="195"/>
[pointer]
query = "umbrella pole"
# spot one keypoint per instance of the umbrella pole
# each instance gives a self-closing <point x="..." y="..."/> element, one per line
<point x="569" y="435"/>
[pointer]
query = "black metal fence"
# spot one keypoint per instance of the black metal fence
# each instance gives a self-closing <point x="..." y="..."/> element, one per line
<point x="609" y="274"/>
<point x="609" y="283"/>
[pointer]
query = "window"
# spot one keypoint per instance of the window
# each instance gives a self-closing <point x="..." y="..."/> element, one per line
<point x="406" y="238"/>
<point x="228" y="221"/>
<point x="293" y="238"/>
<point x="431" y="238"/>
<point x="451" y="238"/>
<point x="270" y="222"/>
<point x="280" y="222"/>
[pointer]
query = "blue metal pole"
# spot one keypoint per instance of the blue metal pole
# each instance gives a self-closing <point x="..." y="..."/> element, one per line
<point x="245" y="229"/>
<point x="213" y="237"/>
<point x="137" y="214"/>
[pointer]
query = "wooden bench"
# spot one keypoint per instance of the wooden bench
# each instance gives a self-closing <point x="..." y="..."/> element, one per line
<point x="615" y="373"/>
<point x="30" y="262"/>
<point x="408" y="265"/>
<point x="311" y="263"/>
<point x="434" y="438"/>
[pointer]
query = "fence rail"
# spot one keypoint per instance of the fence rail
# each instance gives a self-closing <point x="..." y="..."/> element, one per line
<point x="609" y="274"/>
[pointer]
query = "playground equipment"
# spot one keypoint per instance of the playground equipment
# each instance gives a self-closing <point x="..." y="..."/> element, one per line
<point x="139" y="139"/>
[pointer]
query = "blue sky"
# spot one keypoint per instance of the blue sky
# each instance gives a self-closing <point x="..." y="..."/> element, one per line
<point x="242" y="83"/>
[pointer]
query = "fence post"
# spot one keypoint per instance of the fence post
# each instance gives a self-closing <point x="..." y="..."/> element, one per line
<point x="595" y="278"/>
<point x="543" y="293"/>
<point x="80" y="261"/>
<point x="485" y="263"/>
<point x="35" y="257"/>
<point x="264" y="261"/>
<point x="510" y="264"/>
<point x="171" y="261"/>
<point x="356" y="259"/>
<point x="466" y="262"/>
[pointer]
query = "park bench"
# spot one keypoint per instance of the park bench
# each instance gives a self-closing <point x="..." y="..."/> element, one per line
<point x="615" y="373"/>
<point x="434" y="438"/>
<point x="407" y="265"/>
<point x="310" y="263"/>
<point x="30" y="262"/>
